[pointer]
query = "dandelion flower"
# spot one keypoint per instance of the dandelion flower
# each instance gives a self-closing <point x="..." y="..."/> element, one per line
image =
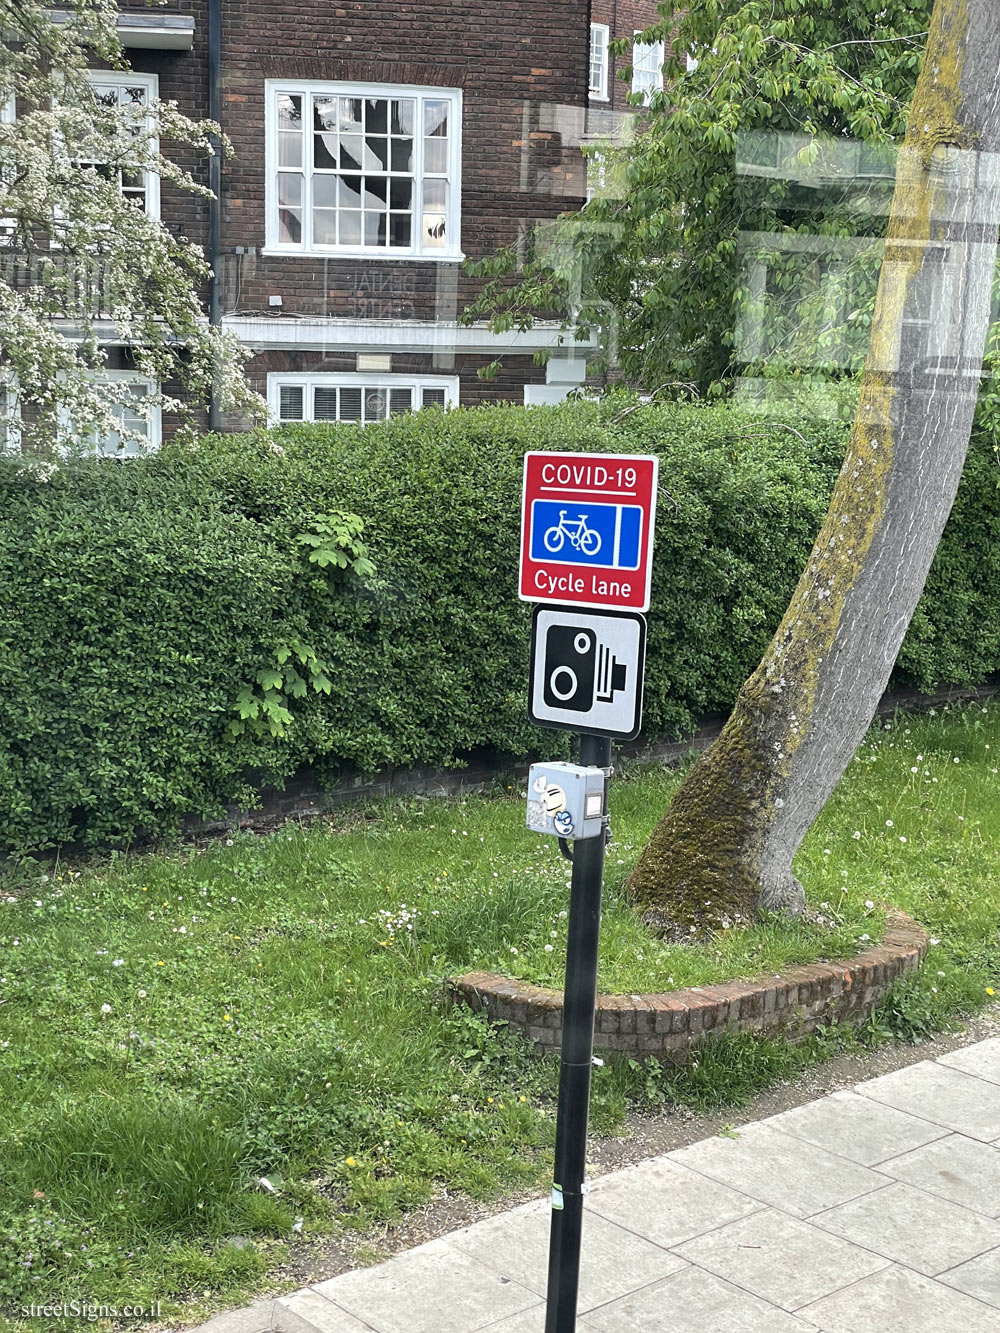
<point x="351" y="1161"/>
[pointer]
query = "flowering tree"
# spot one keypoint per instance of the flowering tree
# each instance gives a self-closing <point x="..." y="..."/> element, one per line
<point x="83" y="260"/>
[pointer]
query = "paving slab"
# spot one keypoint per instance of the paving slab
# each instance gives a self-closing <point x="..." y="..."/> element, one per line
<point x="982" y="1060"/>
<point x="432" y="1289"/>
<point x="942" y="1095"/>
<point x="912" y="1227"/>
<point x="979" y="1277"/>
<point x="695" y="1302"/>
<point x="306" y="1310"/>
<point x="531" y="1321"/>
<point x="781" y="1259"/>
<point x="666" y="1202"/>
<point x="900" y="1301"/>
<point x="779" y="1169"/>
<point x="962" y="1170"/>
<point x="856" y="1127"/>
<point x="614" y="1261"/>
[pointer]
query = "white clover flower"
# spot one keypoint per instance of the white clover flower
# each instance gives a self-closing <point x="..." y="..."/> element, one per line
<point x="118" y="962"/>
<point x="141" y="994"/>
<point x="888" y="823"/>
<point x="869" y="904"/>
<point x="105" y="1008"/>
<point x="902" y="839"/>
<point x="856" y="834"/>
<point x="548" y="948"/>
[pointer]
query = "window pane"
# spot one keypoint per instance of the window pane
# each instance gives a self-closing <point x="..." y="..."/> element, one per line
<point x="325" y="113"/>
<point x="435" y="222"/>
<point x="436" y="118"/>
<point x="289" y="189"/>
<point x="401" y="155"/>
<point x="433" y="398"/>
<point x="348" y="191"/>
<point x="402" y="116"/>
<point x="352" y="152"/>
<point x="350" y="404"/>
<point x="324" y="226"/>
<point x="376" y="153"/>
<point x="376" y="115"/>
<point x="289" y="150"/>
<point x="436" y="156"/>
<point x="290" y="226"/>
<point x="400" y="230"/>
<point x="375" y="228"/>
<point x="326" y="190"/>
<point x="375" y="192"/>
<point x="400" y="194"/>
<point x="350" y="228"/>
<point x="350" y="115"/>
<point x="376" y="405"/>
<point x="289" y="112"/>
<point x="290" y="404"/>
<point x="325" y="404"/>
<point x="400" y="400"/>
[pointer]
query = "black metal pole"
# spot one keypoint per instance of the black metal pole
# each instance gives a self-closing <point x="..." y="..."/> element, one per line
<point x="579" y="999"/>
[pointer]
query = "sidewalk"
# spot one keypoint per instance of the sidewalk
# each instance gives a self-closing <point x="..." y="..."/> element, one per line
<point x="869" y="1211"/>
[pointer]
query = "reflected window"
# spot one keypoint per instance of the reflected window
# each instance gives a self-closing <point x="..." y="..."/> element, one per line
<point x="355" y="399"/>
<point x="130" y="97"/>
<point x="356" y="170"/>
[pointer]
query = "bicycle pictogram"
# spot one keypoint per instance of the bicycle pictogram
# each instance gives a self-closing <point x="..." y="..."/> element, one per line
<point x="581" y="538"/>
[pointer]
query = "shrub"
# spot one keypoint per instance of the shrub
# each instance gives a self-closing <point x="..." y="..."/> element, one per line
<point x="149" y="607"/>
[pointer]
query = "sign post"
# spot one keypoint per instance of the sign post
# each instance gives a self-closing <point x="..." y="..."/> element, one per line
<point x="586" y="554"/>
<point x="579" y="1001"/>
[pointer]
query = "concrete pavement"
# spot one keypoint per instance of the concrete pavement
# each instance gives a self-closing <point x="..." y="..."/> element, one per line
<point x="868" y="1211"/>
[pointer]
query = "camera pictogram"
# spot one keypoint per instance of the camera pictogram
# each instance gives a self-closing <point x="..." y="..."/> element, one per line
<point x="580" y="670"/>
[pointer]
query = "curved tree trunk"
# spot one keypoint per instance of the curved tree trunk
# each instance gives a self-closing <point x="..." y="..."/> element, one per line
<point x="724" y="849"/>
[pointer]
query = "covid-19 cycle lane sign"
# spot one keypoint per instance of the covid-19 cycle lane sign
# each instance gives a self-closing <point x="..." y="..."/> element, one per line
<point x="587" y="529"/>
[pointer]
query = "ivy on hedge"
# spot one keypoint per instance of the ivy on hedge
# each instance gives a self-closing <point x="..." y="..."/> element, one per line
<point x="139" y="599"/>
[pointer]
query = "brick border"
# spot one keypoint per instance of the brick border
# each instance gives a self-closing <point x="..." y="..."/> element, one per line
<point x="793" y="1002"/>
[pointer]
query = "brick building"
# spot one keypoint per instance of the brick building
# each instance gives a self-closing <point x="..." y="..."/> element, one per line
<point x="376" y="147"/>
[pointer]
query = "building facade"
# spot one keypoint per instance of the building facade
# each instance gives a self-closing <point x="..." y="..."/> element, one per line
<point x="375" y="148"/>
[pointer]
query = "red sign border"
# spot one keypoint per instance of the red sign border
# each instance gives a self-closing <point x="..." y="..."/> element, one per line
<point x="649" y="520"/>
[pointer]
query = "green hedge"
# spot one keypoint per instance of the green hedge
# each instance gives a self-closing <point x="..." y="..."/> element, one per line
<point x="137" y="599"/>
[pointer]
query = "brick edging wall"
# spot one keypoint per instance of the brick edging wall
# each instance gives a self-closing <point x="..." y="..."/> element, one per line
<point x="795" y="1002"/>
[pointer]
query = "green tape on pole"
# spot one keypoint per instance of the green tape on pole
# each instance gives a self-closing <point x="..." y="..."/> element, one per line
<point x="557" y="1198"/>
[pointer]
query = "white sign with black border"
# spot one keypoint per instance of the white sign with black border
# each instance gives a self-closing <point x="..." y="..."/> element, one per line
<point x="587" y="670"/>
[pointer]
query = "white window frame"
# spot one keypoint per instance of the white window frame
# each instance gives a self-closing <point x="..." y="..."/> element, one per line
<point x="10" y="425"/>
<point x="113" y="78"/>
<point x="154" y="413"/>
<point x="8" y="114"/>
<point x="307" y="88"/>
<point x="600" y="38"/>
<point x="647" y="67"/>
<point x="312" y="380"/>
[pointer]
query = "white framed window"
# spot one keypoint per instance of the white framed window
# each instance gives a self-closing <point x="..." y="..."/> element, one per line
<point x="10" y="415"/>
<point x="356" y="398"/>
<point x="647" y="68"/>
<point x="134" y="94"/>
<point x="8" y="224"/>
<point x="363" y="170"/>
<point x="136" y="414"/>
<point x="599" y="38"/>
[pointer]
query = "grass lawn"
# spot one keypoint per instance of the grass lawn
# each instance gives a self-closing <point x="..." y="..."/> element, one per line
<point x="174" y="1026"/>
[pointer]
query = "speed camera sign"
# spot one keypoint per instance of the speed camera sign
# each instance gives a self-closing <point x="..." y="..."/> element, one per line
<point x="586" y="671"/>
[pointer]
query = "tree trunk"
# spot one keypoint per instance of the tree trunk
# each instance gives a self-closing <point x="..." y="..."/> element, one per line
<point x="724" y="849"/>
